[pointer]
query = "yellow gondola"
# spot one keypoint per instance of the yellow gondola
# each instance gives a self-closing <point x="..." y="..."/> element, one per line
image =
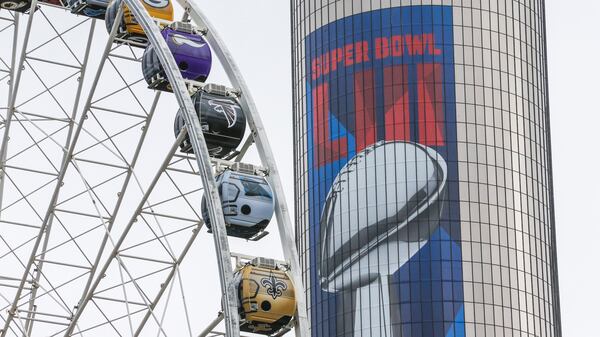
<point x="267" y="298"/>
<point x="129" y="28"/>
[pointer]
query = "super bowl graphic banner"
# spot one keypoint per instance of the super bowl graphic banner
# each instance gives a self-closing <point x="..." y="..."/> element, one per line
<point x="383" y="176"/>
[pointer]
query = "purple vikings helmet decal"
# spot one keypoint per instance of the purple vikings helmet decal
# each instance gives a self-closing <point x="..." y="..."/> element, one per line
<point x="191" y="52"/>
<point x="180" y="40"/>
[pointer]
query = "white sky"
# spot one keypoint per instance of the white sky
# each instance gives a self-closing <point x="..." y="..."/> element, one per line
<point x="574" y="90"/>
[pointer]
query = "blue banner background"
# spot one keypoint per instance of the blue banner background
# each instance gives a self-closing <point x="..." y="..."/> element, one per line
<point x="429" y="286"/>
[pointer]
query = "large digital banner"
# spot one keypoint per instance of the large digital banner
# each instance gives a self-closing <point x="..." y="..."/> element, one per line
<point x="383" y="176"/>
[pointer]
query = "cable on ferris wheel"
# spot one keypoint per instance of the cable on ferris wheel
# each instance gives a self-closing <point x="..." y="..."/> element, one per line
<point x="67" y="204"/>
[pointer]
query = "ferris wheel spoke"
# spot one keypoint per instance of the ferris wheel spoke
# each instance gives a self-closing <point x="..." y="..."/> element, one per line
<point x="173" y="198"/>
<point x="30" y="281"/>
<point x="35" y="150"/>
<point x="107" y="321"/>
<point x="60" y="35"/>
<point x="48" y="89"/>
<point x="23" y="197"/>
<point x="109" y="138"/>
<point x="120" y="163"/>
<point x="52" y="292"/>
<point x="72" y="239"/>
<point x="13" y="163"/>
<point x="104" y="215"/>
<point x="129" y="86"/>
<point x="4" y="29"/>
<point x="126" y="86"/>
<point x="4" y="320"/>
<point x="51" y="137"/>
<point x="130" y="248"/>
<point x="72" y="212"/>
<point x="20" y="199"/>
<point x="57" y="35"/>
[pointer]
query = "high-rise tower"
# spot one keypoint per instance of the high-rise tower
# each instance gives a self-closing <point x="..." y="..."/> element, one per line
<point x="423" y="170"/>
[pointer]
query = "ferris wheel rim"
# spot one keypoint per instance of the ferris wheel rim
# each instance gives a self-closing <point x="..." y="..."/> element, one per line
<point x="262" y="142"/>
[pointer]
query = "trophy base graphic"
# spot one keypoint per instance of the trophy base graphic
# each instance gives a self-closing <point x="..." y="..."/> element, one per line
<point x="368" y="311"/>
<point x="372" y="308"/>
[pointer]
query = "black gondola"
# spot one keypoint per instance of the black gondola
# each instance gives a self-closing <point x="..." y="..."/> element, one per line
<point x="222" y="120"/>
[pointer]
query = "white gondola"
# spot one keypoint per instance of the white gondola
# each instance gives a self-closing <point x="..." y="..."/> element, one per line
<point x="248" y="204"/>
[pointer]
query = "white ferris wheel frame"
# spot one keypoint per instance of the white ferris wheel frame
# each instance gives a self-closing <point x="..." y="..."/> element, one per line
<point x="205" y="165"/>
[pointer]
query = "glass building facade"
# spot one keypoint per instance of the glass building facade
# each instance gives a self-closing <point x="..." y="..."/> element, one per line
<point x="422" y="168"/>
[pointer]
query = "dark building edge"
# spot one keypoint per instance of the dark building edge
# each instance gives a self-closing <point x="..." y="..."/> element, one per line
<point x="554" y="265"/>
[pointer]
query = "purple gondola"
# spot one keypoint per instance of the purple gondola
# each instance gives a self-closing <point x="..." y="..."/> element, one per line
<point x="190" y="50"/>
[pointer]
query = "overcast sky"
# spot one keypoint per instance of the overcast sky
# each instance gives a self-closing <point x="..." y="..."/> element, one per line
<point x="574" y="92"/>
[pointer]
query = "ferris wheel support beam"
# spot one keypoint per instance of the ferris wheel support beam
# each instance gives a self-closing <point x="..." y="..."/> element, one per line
<point x="38" y="270"/>
<point x="117" y="249"/>
<point x="264" y="149"/>
<point x="12" y="312"/>
<point x="115" y="254"/>
<point x="9" y="111"/>
<point x="205" y="168"/>
<point x="121" y="195"/>
<point x="15" y="78"/>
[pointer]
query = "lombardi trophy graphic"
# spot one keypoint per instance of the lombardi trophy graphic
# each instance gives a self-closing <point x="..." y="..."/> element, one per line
<point x="381" y="209"/>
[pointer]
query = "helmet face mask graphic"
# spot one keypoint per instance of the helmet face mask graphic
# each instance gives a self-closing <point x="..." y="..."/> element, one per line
<point x="381" y="209"/>
<point x="247" y="202"/>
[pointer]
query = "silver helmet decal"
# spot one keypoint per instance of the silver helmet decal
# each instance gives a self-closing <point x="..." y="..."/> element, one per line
<point x="225" y="107"/>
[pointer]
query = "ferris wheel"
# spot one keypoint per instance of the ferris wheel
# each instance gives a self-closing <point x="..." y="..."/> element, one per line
<point x="102" y="194"/>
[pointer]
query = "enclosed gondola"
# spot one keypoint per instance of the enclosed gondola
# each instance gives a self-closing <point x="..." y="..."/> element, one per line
<point x="221" y="117"/>
<point x="92" y="8"/>
<point x="190" y="50"/>
<point x="21" y="6"/>
<point x="247" y="202"/>
<point x="267" y="299"/>
<point x="129" y="28"/>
